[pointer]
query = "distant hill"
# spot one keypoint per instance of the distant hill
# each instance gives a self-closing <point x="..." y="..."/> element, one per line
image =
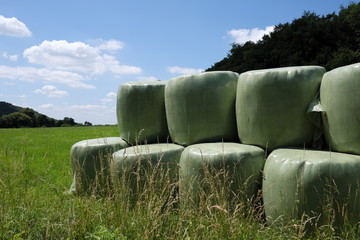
<point x="12" y="116"/>
<point x="7" y="108"/>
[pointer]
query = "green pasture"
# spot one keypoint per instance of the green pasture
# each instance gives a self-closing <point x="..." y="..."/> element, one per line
<point x="35" y="173"/>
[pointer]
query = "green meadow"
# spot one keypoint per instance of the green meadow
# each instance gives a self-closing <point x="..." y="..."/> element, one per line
<point x="35" y="173"/>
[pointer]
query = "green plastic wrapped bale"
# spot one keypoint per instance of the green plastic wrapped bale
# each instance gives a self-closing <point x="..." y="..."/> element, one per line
<point x="340" y="99"/>
<point x="143" y="165"/>
<point x="311" y="183"/>
<point x="271" y="106"/>
<point x="90" y="163"/>
<point x="201" y="108"/>
<point x="141" y="112"/>
<point x="221" y="171"/>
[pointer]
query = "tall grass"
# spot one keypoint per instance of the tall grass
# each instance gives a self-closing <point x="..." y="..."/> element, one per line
<point x="35" y="172"/>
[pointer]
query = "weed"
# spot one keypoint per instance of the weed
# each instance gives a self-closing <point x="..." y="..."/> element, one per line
<point x="35" y="172"/>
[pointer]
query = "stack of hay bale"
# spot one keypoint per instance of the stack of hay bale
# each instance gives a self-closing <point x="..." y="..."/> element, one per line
<point x="259" y="122"/>
<point x="314" y="183"/>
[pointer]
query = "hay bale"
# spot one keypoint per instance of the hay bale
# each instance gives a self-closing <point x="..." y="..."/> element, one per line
<point x="229" y="171"/>
<point x="140" y="112"/>
<point x="201" y="107"/>
<point x="340" y="99"/>
<point x="143" y="165"/>
<point x="271" y="106"/>
<point x="311" y="183"/>
<point x="90" y="163"/>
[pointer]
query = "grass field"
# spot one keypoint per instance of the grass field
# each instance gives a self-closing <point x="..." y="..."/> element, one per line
<point x="35" y="173"/>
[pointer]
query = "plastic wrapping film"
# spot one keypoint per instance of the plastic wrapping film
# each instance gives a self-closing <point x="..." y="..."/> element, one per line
<point x="340" y="99"/>
<point x="272" y="106"/>
<point x="90" y="161"/>
<point x="315" y="112"/>
<point x="201" y="107"/>
<point x="226" y="167"/>
<point x="141" y="112"/>
<point x="310" y="183"/>
<point x="139" y="164"/>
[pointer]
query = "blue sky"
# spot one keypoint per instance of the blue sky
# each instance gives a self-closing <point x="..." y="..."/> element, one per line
<point x="68" y="58"/>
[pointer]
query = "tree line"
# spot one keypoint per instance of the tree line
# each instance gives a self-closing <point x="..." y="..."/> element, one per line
<point x="27" y="117"/>
<point x="330" y="41"/>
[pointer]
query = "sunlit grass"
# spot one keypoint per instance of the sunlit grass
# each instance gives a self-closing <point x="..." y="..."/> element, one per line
<point x="35" y="173"/>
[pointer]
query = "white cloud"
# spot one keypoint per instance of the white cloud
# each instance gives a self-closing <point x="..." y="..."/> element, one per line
<point x="123" y="69"/>
<point x="87" y="107"/>
<point x="49" y="88"/>
<point x="31" y="74"/>
<point x="67" y="63"/>
<point x="110" y="45"/>
<point x="23" y="96"/>
<point x="242" y="36"/>
<point x="13" y="58"/>
<point x="147" y="78"/>
<point x="13" y="27"/>
<point x="111" y="94"/>
<point x="61" y="55"/>
<point x="184" y="71"/>
<point x="107" y="100"/>
<point x="51" y="91"/>
<point x="78" y="57"/>
<point x="46" y="106"/>
<point x="109" y="97"/>
<point x="96" y="114"/>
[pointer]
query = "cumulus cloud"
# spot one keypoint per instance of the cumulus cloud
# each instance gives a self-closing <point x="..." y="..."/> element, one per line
<point x="31" y="74"/>
<point x="13" y="58"/>
<point x="242" y="36"/>
<point x="69" y="63"/>
<point x="13" y="27"/>
<point x="110" y="45"/>
<point x="46" y="106"/>
<point x="61" y="55"/>
<point x="107" y="100"/>
<point x="77" y="57"/>
<point x="109" y="97"/>
<point x="184" y="71"/>
<point x="111" y="94"/>
<point x="51" y="91"/>
<point x="116" y="68"/>
<point x="87" y="107"/>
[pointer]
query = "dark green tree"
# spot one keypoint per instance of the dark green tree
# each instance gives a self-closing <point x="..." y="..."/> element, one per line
<point x="44" y="121"/>
<point x="32" y="114"/>
<point x="86" y="123"/>
<point x="16" y="120"/>
<point x="59" y="123"/>
<point x="330" y="41"/>
<point x="68" y="120"/>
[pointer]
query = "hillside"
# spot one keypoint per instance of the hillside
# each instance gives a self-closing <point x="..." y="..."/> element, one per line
<point x="12" y="116"/>
<point x="330" y="41"/>
<point x="7" y="108"/>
